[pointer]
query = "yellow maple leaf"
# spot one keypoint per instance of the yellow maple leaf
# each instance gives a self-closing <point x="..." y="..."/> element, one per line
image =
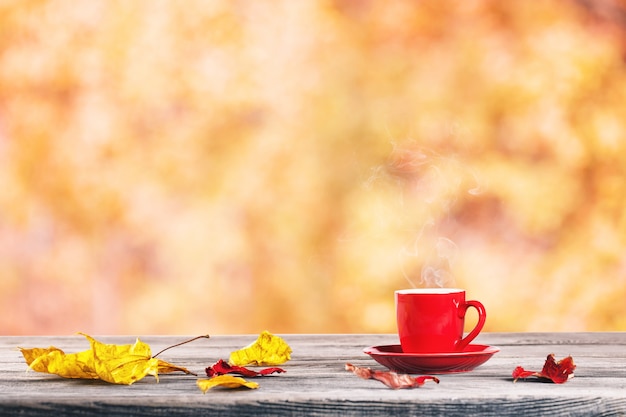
<point x="225" y="381"/>
<point x="268" y="349"/>
<point x="117" y="364"/>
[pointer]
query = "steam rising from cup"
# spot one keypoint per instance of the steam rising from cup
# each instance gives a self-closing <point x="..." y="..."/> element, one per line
<point x="429" y="184"/>
<point x="436" y="259"/>
<point x="437" y="271"/>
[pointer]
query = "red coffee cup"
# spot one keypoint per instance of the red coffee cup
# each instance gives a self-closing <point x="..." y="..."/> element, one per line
<point x="431" y="320"/>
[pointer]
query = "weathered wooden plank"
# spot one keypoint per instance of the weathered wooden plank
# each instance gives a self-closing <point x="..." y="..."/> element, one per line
<point x="317" y="384"/>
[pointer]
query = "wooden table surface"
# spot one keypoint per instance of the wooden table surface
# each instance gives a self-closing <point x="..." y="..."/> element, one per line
<point x="317" y="384"/>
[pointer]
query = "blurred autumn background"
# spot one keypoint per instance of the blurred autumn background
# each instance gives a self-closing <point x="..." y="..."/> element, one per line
<point x="233" y="166"/>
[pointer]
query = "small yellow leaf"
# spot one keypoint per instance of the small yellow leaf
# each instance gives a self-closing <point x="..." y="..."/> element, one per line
<point x="267" y="350"/>
<point x="225" y="381"/>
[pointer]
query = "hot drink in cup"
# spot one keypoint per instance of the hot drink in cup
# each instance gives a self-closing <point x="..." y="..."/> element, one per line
<point x="431" y="320"/>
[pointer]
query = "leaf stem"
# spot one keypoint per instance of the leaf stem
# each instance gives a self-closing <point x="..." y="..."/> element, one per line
<point x="206" y="336"/>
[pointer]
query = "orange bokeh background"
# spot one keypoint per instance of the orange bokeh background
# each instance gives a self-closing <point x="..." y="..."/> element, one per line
<point x="233" y="166"/>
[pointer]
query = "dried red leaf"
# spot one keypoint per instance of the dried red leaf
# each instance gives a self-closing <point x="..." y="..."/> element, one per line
<point x="557" y="372"/>
<point x="390" y="378"/>
<point x="222" y="368"/>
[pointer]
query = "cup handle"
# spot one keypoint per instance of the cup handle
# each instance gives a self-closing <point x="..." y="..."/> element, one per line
<point x="482" y="317"/>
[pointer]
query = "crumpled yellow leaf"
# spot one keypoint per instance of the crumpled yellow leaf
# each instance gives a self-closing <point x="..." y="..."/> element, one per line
<point x="267" y="350"/>
<point x="225" y="381"/>
<point x="117" y="364"/>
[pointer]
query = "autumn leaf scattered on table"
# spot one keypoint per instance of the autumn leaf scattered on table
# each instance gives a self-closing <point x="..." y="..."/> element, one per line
<point x="225" y="381"/>
<point x="223" y="368"/>
<point x="267" y="350"/>
<point x="117" y="364"/>
<point x="390" y="378"/>
<point x="557" y="372"/>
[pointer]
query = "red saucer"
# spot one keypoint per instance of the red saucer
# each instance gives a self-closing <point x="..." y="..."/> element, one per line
<point x="393" y="358"/>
